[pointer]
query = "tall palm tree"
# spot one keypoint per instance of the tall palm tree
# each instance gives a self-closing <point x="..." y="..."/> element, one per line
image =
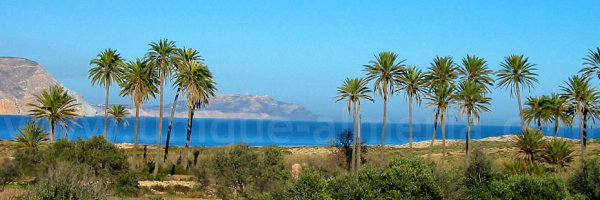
<point x="585" y="99"/>
<point x="413" y="83"/>
<point x="57" y="106"/>
<point x="517" y="73"/>
<point x="440" y="81"/>
<point x="440" y="98"/>
<point x="592" y="63"/>
<point x="161" y="55"/>
<point x="196" y="81"/>
<point x="118" y="113"/>
<point x="536" y="110"/>
<point x="139" y="83"/>
<point x="475" y="69"/>
<point x="32" y="135"/>
<point x="559" y="110"/>
<point x="385" y="70"/>
<point x="108" y="69"/>
<point x="182" y="58"/>
<point x="471" y="100"/>
<point x="352" y="90"/>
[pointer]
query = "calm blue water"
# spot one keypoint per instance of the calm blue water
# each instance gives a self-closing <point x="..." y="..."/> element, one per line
<point x="217" y="132"/>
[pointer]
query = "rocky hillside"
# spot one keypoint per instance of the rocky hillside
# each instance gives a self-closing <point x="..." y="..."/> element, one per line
<point x="20" y="79"/>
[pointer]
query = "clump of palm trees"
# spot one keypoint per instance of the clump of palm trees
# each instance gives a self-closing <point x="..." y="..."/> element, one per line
<point x="536" y="151"/>
<point x="144" y="78"/>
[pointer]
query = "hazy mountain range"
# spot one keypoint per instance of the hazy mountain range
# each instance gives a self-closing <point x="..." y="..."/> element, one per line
<point x="21" y="78"/>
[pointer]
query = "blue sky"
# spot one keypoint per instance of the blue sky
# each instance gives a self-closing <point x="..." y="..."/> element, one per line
<point x="300" y="51"/>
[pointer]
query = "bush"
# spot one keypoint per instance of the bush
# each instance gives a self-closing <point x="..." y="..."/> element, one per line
<point x="8" y="172"/>
<point x="343" y="153"/>
<point x="409" y="178"/>
<point x="235" y="168"/>
<point x="29" y="161"/>
<point x="535" y="187"/>
<point x="68" y="181"/>
<point x="310" y="184"/>
<point x="272" y="174"/>
<point x="587" y="180"/>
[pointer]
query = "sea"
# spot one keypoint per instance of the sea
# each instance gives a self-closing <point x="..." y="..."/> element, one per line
<point x="220" y="132"/>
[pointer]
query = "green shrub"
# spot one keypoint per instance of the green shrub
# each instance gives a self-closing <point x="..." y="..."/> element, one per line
<point x="69" y="181"/>
<point x="409" y="178"/>
<point x="272" y="174"/>
<point x="310" y="184"/>
<point x="587" y="180"/>
<point x="8" y="172"/>
<point x="235" y="169"/>
<point x="29" y="161"/>
<point x="536" y="187"/>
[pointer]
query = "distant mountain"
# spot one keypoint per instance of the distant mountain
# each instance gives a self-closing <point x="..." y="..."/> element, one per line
<point x="242" y="106"/>
<point x="20" y="79"/>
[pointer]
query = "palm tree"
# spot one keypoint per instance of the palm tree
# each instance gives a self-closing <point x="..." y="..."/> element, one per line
<point x="161" y="56"/>
<point x="530" y="143"/>
<point x="352" y="90"/>
<point x="536" y="110"/>
<point x="413" y="83"/>
<point x="440" y="98"/>
<point x="559" y="110"/>
<point x="32" y="135"/>
<point x="440" y="81"/>
<point x="592" y="63"/>
<point x="475" y="69"/>
<point x="118" y="113"/>
<point x="517" y="72"/>
<point x="139" y="83"/>
<point x="57" y="106"/>
<point x="558" y="153"/>
<point x="196" y="81"/>
<point x="385" y="71"/>
<point x="585" y="99"/>
<point x="182" y="58"/>
<point x="471" y="100"/>
<point x="108" y="69"/>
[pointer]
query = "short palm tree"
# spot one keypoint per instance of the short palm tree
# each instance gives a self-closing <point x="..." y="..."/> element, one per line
<point x="108" y="69"/>
<point x="57" y="106"/>
<point x="384" y="70"/>
<point x="536" y="110"/>
<point x="585" y="100"/>
<point x="530" y="143"/>
<point x="352" y="90"/>
<point x="559" y="111"/>
<point x="558" y="153"/>
<point x="470" y="101"/>
<point x="182" y="58"/>
<point x="413" y="82"/>
<point x="32" y="135"/>
<point x="196" y="81"/>
<point x="441" y="97"/>
<point x="118" y="112"/>
<point x="139" y="83"/>
<point x="516" y="73"/>
<point x="475" y="69"/>
<point x="161" y="55"/>
<point x="592" y="63"/>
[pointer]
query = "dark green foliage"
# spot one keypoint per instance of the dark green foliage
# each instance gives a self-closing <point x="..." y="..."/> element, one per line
<point x="30" y="161"/>
<point x="409" y="178"/>
<point x="272" y="174"/>
<point x="587" y="180"/>
<point x="310" y="184"/>
<point x="8" y="172"/>
<point x="536" y="187"/>
<point x="480" y="172"/>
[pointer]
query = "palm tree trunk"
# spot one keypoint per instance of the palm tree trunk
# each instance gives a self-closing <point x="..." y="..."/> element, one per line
<point x="354" y="133"/>
<point x="520" y="107"/>
<point x="53" y="127"/>
<point x="160" y="120"/>
<point x="443" y="137"/>
<point x="433" y="135"/>
<point x="539" y="124"/>
<point x="188" y="135"/>
<point x="383" y="125"/>
<point x="359" y="144"/>
<point x="116" y="128"/>
<point x="584" y="136"/>
<point x="135" y="134"/>
<point x="410" y="123"/>
<point x="468" y="135"/>
<point x="106" y="114"/>
<point x="171" y="123"/>
<point x="555" y="127"/>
